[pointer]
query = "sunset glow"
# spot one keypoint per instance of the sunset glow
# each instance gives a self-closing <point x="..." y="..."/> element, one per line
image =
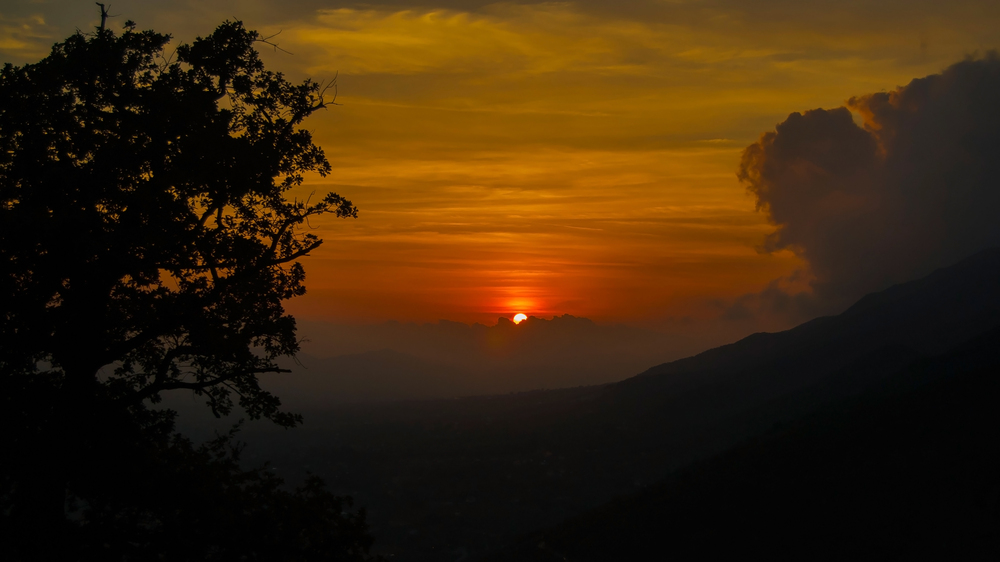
<point x="758" y="242"/>
<point x="562" y="157"/>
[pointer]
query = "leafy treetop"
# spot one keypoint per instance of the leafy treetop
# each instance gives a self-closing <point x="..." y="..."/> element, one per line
<point x="144" y="223"/>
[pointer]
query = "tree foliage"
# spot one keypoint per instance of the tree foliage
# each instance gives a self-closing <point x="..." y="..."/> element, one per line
<point x="144" y="221"/>
<point x="147" y="242"/>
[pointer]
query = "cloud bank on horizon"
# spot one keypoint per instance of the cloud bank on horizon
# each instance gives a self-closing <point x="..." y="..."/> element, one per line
<point x="914" y="188"/>
<point x="393" y="360"/>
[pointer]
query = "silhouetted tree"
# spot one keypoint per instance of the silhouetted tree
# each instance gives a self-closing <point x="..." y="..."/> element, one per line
<point x="146" y="245"/>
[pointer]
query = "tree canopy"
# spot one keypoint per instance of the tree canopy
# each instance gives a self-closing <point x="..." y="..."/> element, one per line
<point x="147" y="243"/>
<point x="144" y="221"/>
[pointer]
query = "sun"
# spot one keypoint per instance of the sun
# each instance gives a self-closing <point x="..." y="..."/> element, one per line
<point x="520" y="317"/>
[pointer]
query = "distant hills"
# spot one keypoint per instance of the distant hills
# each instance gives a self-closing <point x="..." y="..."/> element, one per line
<point x="378" y="375"/>
<point x="395" y="361"/>
<point x="838" y="406"/>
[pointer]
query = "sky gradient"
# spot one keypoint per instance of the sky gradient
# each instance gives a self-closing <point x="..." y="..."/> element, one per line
<point x="553" y="158"/>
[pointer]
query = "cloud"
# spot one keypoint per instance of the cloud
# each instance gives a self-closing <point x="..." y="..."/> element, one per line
<point x="513" y="39"/>
<point x="23" y="36"/>
<point x="549" y="155"/>
<point x="783" y="301"/>
<point x="916" y="188"/>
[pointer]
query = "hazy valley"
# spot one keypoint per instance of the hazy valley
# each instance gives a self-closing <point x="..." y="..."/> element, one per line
<point x="443" y="479"/>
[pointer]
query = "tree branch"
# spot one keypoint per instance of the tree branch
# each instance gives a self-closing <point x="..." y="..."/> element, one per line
<point x="267" y="41"/>
<point x="158" y="387"/>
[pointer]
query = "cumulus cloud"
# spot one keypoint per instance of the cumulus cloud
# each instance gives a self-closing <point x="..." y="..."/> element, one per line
<point x="915" y="188"/>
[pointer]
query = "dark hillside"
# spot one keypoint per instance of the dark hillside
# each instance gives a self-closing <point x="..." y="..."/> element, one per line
<point x="907" y="469"/>
<point x="929" y="316"/>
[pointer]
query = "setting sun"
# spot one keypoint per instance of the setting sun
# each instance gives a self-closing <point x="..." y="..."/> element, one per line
<point x="520" y="317"/>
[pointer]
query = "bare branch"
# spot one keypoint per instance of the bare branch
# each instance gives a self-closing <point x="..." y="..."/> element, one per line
<point x="331" y="84"/>
<point x="267" y="41"/>
<point x="105" y="14"/>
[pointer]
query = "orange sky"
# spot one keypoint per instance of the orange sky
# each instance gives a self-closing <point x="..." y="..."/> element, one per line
<point x="552" y="158"/>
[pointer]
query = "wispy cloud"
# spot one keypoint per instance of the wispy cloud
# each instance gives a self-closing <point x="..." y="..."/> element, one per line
<point x="24" y="37"/>
<point x="575" y="157"/>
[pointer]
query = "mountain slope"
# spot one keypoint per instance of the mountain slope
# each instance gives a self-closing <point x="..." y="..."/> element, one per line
<point x="909" y="468"/>
<point x="927" y="316"/>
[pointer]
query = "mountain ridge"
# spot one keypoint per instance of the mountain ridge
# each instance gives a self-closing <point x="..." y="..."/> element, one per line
<point x="931" y="314"/>
<point x="906" y="469"/>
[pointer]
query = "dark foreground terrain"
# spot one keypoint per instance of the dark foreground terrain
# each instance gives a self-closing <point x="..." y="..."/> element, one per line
<point x="907" y="470"/>
<point x="853" y="434"/>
